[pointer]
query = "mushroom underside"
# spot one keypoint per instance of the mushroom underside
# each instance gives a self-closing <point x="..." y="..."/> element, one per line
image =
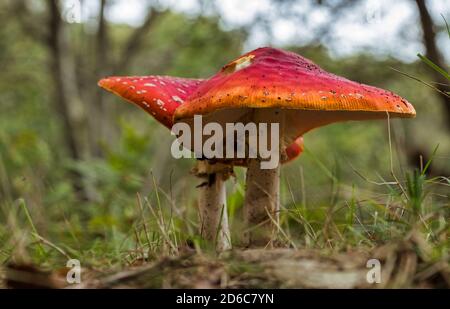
<point x="261" y="205"/>
<point x="296" y="121"/>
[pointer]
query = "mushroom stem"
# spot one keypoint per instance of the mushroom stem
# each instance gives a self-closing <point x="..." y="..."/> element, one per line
<point x="213" y="203"/>
<point x="262" y="197"/>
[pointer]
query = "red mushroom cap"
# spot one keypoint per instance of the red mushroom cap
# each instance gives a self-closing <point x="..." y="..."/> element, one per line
<point x="269" y="77"/>
<point x="160" y="96"/>
<point x="157" y="95"/>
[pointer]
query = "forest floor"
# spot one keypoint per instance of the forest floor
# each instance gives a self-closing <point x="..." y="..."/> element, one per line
<point x="403" y="264"/>
<point x="399" y="239"/>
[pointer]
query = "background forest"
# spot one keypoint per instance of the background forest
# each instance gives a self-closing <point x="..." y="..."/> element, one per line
<point x="85" y="175"/>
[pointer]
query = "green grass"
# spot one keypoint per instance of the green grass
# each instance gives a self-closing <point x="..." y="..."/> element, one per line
<point x="138" y="216"/>
<point x="156" y="225"/>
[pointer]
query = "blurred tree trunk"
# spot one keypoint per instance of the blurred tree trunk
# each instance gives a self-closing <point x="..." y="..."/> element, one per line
<point x="416" y="154"/>
<point x="68" y="104"/>
<point x="134" y="42"/>
<point x="100" y="116"/>
<point x="86" y="119"/>
<point x="432" y="52"/>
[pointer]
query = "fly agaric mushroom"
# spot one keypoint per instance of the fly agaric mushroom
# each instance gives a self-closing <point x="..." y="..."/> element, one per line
<point x="273" y="86"/>
<point x="160" y="96"/>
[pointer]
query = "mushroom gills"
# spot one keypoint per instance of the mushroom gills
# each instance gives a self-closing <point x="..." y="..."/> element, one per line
<point x="297" y="121"/>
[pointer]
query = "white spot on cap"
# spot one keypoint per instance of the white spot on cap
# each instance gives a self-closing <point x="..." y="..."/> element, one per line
<point x="181" y="90"/>
<point x="177" y="99"/>
<point x="149" y="85"/>
<point x="160" y="102"/>
<point x="239" y="64"/>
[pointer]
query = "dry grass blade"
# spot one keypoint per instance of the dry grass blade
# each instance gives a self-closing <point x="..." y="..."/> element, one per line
<point x="160" y="222"/>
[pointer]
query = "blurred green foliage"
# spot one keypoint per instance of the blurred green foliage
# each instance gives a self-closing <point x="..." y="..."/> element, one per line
<point x="108" y="230"/>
